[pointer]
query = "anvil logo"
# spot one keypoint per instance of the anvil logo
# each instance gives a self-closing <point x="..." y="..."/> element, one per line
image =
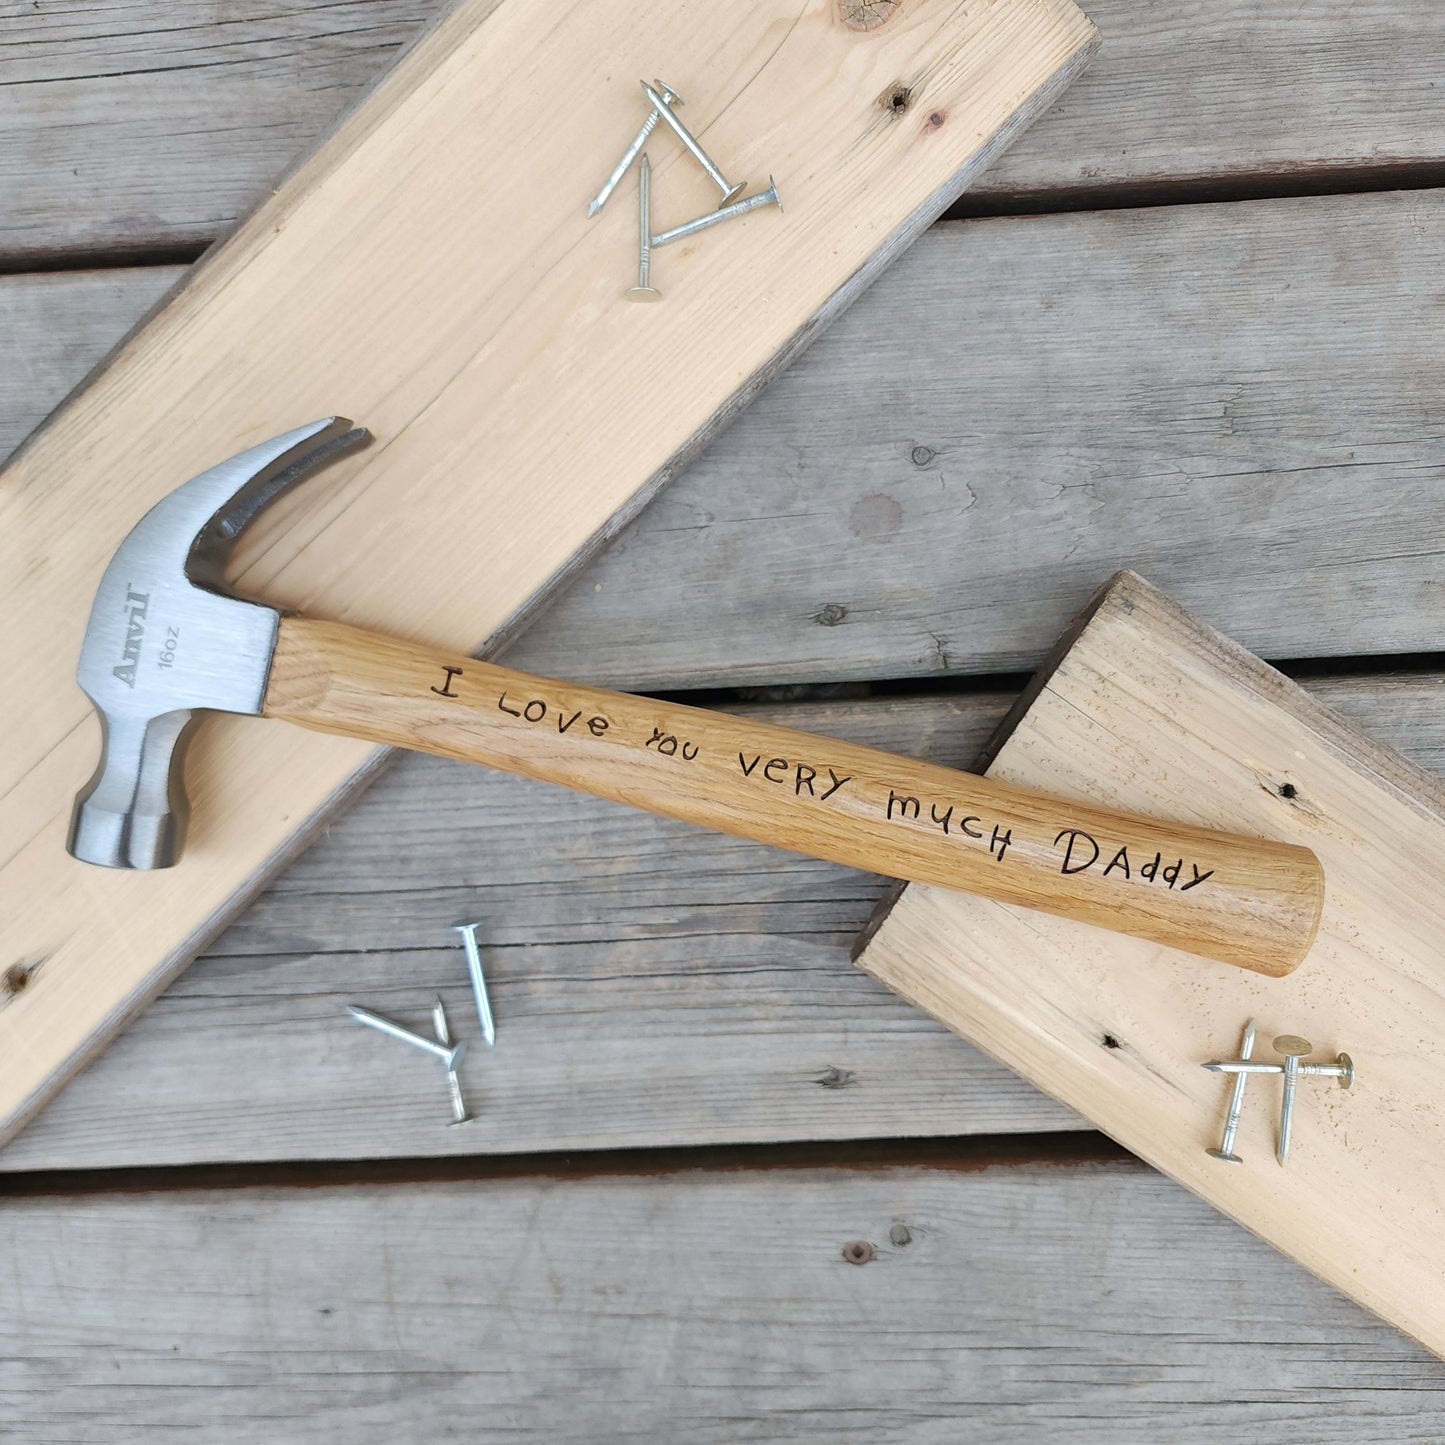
<point x="136" y="604"/>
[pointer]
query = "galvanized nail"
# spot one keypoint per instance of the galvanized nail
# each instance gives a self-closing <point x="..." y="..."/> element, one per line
<point x="454" y="1084"/>
<point x="644" y="290"/>
<point x="1225" y="1150"/>
<point x="768" y="197"/>
<point x="1294" y="1049"/>
<point x="670" y="98"/>
<point x="468" y="932"/>
<point x="1343" y="1070"/>
<point x="664" y="112"/>
<point x="450" y="1056"/>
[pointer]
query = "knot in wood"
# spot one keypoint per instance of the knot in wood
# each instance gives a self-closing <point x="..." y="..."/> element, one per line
<point x="866" y="14"/>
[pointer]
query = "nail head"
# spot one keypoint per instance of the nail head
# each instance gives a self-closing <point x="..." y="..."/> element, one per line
<point x="1221" y="1154"/>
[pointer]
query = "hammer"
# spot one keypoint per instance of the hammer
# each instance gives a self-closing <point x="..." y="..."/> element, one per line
<point x="165" y="639"/>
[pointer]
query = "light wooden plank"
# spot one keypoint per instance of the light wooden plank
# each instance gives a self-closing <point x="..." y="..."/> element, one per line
<point x="1098" y="1305"/>
<point x="157" y="125"/>
<point x="1221" y="396"/>
<point x="653" y="984"/>
<point x="521" y="408"/>
<point x="1149" y="709"/>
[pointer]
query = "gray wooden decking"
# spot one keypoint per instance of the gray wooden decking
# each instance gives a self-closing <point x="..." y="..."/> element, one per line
<point x="1190" y="325"/>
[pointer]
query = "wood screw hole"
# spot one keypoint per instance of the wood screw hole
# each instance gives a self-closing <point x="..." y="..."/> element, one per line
<point x="858" y="1251"/>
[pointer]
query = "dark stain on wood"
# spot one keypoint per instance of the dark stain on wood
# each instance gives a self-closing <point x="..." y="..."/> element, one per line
<point x="18" y="977"/>
<point x="896" y="98"/>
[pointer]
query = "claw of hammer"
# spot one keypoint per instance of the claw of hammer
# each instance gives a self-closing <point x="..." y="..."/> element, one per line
<point x="164" y="639"/>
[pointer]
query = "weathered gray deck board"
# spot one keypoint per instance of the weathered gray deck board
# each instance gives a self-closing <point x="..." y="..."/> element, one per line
<point x="134" y="126"/>
<point x="55" y="326"/>
<point x="1235" y="400"/>
<point x="1094" y="1304"/>
<point x="653" y="984"/>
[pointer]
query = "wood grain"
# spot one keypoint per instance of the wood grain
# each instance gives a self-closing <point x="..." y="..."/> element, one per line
<point x="1150" y="708"/>
<point x="654" y="983"/>
<point x="151" y="126"/>
<point x="521" y="407"/>
<point x="1097" y="1304"/>
<point x="1246" y="901"/>
<point x="1220" y="396"/>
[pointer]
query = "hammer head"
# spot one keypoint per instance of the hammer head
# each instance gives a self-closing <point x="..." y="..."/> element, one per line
<point x="165" y="639"/>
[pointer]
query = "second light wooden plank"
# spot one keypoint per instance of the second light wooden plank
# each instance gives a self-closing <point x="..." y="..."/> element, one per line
<point x="1146" y="706"/>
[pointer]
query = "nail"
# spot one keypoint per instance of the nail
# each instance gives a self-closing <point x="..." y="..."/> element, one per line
<point x="1236" y="1103"/>
<point x="1294" y="1049"/>
<point x="664" y="111"/>
<point x="1344" y="1070"/>
<point x="671" y="98"/>
<point x="768" y="197"/>
<point x="449" y="1056"/>
<point x="468" y="932"/>
<point x="644" y="290"/>
<point x="454" y="1084"/>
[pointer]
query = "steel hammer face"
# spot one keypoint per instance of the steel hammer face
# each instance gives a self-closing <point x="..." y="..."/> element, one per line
<point x="165" y="639"/>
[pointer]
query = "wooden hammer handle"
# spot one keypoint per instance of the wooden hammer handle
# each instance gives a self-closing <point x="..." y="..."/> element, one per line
<point x="1245" y="901"/>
